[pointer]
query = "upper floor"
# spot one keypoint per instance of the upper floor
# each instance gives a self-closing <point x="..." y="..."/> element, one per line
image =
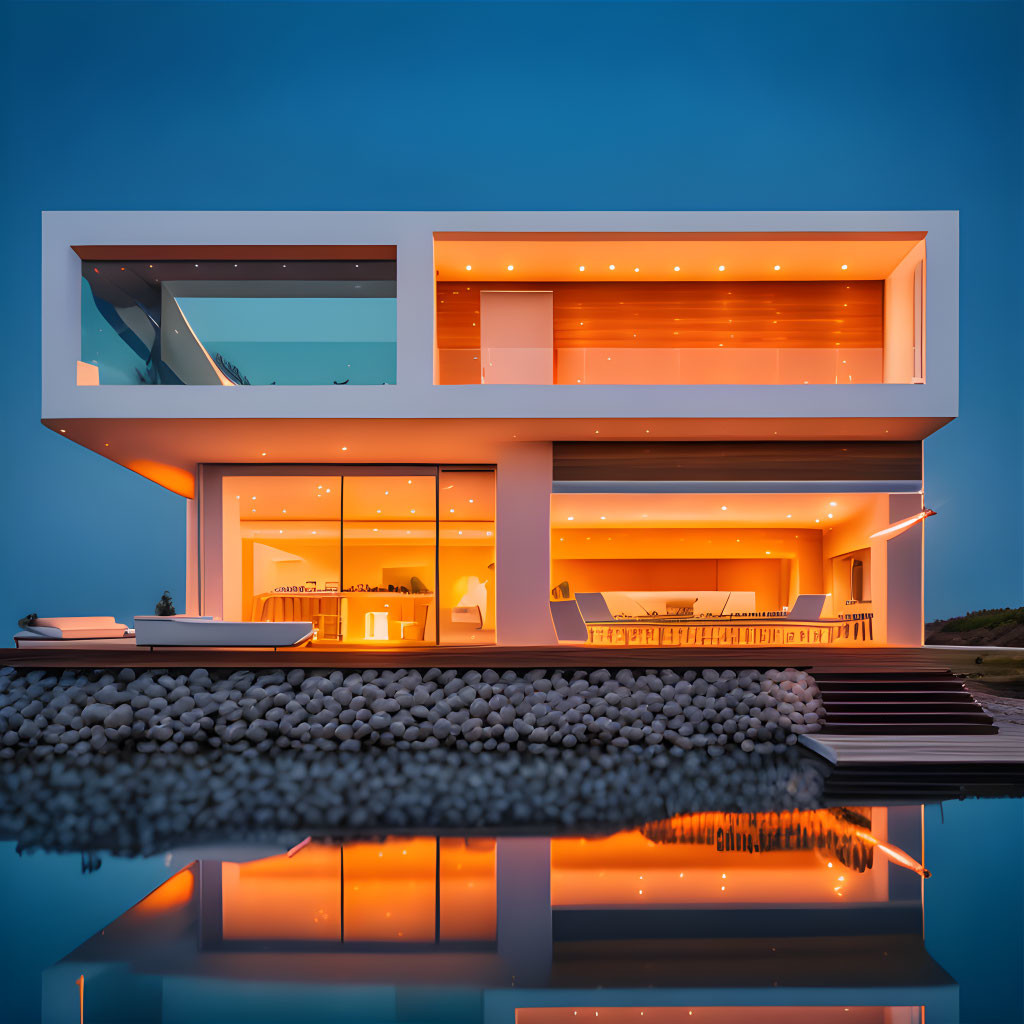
<point x="698" y="324"/>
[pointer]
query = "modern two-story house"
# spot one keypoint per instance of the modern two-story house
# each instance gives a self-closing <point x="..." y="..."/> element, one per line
<point x="653" y="429"/>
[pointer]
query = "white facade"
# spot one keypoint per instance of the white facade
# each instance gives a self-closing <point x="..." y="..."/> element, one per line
<point x="168" y="433"/>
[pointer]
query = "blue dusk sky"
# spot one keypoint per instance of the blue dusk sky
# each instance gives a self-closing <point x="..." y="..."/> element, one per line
<point x="621" y="106"/>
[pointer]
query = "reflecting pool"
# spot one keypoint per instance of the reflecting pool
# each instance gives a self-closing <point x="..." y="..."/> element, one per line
<point x="511" y="889"/>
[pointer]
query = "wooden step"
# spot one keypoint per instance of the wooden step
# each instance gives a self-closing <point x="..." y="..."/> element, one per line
<point x="898" y="685"/>
<point x="893" y="673"/>
<point x="915" y="728"/>
<point x="904" y="709"/>
<point x="898" y="697"/>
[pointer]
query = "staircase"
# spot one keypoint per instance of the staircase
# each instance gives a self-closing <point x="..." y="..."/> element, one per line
<point x="913" y="703"/>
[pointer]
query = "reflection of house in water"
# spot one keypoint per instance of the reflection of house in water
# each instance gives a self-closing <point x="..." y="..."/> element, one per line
<point x="716" y="913"/>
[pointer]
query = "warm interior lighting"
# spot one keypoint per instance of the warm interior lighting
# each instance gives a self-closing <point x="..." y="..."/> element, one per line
<point x="843" y="267"/>
<point x="904" y="524"/>
<point x="721" y="267"/>
<point x="510" y="267"/>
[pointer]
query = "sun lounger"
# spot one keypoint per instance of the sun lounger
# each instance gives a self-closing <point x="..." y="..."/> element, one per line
<point x="204" y="631"/>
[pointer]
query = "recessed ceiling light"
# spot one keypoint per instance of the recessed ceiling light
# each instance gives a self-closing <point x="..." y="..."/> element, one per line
<point x="582" y="268"/>
<point x="510" y="267"/>
<point x="451" y="510"/>
<point x="843" y="267"/>
<point x="636" y="270"/>
<point x="602" y="517"/>
<point x="833" y="504"/>
<point x="777" y="267"/>
<point x="676" y="269"/>
<point x="611" y="266"/>
<point x="725" y="508"/>
<point x="469" y="266"/>
<point x="721" y="267"/>
<point x="570" y="518"/>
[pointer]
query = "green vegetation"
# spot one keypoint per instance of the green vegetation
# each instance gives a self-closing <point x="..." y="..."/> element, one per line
<point x="989" y="618"/>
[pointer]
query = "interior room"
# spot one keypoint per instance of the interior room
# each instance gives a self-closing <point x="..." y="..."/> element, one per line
<point x="680" y="309"/>
<point x="693" y="557"/>
<point x="389" y="557"/>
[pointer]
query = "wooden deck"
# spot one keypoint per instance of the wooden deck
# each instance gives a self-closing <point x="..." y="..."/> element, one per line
<point x="1005" y="747"/>
<point x="861" y="658"/>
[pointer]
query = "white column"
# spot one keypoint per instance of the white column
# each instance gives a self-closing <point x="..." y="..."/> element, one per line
<point x="904" y="575"/>
<point x="523" y="548"/>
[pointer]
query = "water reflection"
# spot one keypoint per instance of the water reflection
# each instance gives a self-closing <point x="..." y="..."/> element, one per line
<point x="143" y="804"/>
<point x="706" y="916"/>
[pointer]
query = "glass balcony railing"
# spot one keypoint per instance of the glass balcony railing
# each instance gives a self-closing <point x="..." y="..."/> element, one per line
<point x="227" y="323"/>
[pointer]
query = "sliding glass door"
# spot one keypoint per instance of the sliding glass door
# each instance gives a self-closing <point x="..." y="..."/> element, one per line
<point x="374" y="555"/>
<point x="389" y="557"/>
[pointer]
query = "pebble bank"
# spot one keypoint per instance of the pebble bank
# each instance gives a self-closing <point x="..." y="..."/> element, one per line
<point x="79" y="714"/>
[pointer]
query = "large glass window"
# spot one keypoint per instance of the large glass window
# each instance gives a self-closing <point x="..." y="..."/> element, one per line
<point x="703" y="309"/>
<point x="369" y="555"/>
<point x="721" y="569"/>
<point x="466" y="556"/>
<point x="389" y="558"/>
<point x="237" y="323"/>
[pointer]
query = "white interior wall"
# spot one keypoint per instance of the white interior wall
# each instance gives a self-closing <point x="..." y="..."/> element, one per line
<point x="899" y="313"/>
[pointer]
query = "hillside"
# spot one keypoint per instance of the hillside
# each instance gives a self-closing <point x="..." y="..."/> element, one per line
<point x="991" y="627"/>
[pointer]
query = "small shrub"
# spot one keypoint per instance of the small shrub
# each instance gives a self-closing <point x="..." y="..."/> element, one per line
<point x="165" y="606"/>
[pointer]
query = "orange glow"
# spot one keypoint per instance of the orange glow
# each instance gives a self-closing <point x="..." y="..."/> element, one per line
<point x="174" y="893"/>
<point x="389" y="891"/>
<point x="284" y="897"/>
<point x="746" y="256"/>
<point x="904" y="524"/>
<point x="174" y="478"/>
<point x="718" y="1014"/>
<point x="80" y="983"/>
<point x="774" y="857"/>
<point x="468" y="890"/>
